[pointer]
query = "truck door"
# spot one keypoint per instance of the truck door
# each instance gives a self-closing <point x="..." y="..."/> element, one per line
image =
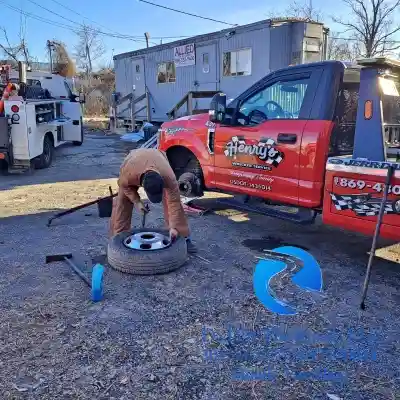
<point x="259" y="152"/>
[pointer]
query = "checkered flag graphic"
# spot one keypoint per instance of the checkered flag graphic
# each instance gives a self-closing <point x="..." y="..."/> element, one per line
<point x="364" y="208"/>
<point x="275" y="157"/>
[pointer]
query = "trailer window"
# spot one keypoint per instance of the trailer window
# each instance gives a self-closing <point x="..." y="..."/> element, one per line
<point x="166" y="72"/>
<point x="237" y="63"/>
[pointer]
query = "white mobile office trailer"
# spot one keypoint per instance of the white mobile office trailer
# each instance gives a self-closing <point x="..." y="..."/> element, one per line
<point x="230" y="60"/>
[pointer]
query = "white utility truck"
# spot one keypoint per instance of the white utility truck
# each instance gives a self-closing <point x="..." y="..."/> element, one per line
<point x="41" y="114"/>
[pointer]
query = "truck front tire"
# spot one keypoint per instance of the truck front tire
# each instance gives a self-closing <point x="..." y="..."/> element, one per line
<point x="190" y="185"/>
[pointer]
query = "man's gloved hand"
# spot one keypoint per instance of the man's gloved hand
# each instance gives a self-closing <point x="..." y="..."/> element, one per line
<point x="173" y="234"/>
<point x="141" y="207"/>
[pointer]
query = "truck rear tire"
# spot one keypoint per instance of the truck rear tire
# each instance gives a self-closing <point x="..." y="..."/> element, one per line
<point x="79" y="142"/>
<point x="46" y="158"/>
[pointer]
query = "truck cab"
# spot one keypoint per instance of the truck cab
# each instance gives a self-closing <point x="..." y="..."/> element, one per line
<point x="273" y="140"/>
<point x="272" y="143"/>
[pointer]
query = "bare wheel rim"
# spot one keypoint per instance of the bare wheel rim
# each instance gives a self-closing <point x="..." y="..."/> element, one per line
<point x="46" y="151"/>
<point x="147" y="241"/>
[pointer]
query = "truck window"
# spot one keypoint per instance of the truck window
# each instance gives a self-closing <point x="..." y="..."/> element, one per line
<point x="280" y="100"/>
<point x="342" y="137"/>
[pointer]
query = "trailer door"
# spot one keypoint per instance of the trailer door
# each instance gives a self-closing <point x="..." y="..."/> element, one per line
<point x="206" y="67"/>
<point x="139" y="85"/>
<point x="206" y="73"/>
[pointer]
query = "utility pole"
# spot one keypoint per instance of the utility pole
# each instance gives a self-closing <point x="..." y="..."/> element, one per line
<point x="49" y="47"/>
<point x="147" y="37"/>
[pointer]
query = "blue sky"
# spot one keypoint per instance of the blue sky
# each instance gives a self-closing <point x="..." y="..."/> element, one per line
<point x="131" y="17"/>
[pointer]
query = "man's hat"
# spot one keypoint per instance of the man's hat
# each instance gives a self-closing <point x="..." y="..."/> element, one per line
<point x="153" y="185"/>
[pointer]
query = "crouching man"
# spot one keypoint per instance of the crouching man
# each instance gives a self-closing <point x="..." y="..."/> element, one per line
<point x="149" y="169"/>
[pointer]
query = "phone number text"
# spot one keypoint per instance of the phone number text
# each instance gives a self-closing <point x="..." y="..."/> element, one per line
<point x="249" y="185"/>
<point x="359" y="184"/>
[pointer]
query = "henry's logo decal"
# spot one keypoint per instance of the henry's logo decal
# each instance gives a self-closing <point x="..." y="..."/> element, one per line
<point x="264" y="149"/>
<point x="173" y="131"/>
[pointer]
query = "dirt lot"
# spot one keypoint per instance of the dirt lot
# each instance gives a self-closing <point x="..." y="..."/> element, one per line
<point x="147" y="339"/>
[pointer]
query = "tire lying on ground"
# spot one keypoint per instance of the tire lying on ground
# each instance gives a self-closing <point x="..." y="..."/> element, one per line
<point x="145" y="262"/>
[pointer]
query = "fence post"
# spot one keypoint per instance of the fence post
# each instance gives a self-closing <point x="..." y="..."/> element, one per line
<point x="148" y="112"/>
<point x="133" y="118"/>
<point x="113" y="113"/>
<point x="190" y="103"/>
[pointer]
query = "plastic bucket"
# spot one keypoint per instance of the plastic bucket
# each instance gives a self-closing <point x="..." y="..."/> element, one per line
<point x="105" y="207"/>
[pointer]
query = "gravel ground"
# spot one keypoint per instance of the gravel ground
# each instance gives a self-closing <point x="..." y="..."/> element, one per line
<point x="196" y="333"/>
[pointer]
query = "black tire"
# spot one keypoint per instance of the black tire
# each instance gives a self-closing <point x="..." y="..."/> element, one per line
<point x="396" y="206"/>
<point x="46" y="158"/>
<point x="190" y="185"/>
<point x="137" y="262"/>
<point x="79" y="142"/>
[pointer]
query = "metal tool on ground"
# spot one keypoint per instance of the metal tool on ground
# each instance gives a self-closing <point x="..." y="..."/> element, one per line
<point x="96" y="281"/>
<point x="189" y="207"/>
<point x="389" y="176"/>
<point x="147" y="209"/>
<point x="104" y="206"/>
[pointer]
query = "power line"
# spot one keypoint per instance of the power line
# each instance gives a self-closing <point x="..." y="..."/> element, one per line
<point x="76" y="12"/>
<point x="187" y="13"/>
<point x="65" y="26"/>
<point x="115" y="35"/>
<point x="105" y="27"/>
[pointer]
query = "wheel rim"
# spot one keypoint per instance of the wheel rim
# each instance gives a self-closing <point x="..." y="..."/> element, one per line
<point x="185" y="187"/>
<point x="147" y="241"/>
<point x="46" y="151"/>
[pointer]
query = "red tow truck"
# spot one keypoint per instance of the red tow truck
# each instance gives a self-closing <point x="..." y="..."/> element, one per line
<point x="318" y="137"/>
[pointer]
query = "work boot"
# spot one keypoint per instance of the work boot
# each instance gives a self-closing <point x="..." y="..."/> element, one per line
<point x="191" y="248"/>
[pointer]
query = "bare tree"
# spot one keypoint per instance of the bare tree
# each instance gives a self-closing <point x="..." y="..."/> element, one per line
<point x="305" y="10"/>
<point x="89" y="48"/>
<point x="372" y="24"/>
<point x="8" y="49"/>
<point x="15" y="52"/>
<point x="344" y="49"/>
<point x="61" y="61"/>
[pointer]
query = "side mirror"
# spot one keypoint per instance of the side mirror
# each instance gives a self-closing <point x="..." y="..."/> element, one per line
<point x="217" y="110"/>
<point x="82" y="98"/>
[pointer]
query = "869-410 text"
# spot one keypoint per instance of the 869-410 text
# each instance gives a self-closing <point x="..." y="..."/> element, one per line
<point x="360" y="185"/>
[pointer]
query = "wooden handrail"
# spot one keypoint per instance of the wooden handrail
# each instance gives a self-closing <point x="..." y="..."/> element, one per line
<point x="187" y="98"/>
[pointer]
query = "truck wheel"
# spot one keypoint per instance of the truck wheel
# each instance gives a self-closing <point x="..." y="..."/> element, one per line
<point x="146" y="252"/>
<point x="79" y="142"/>
<point x="190" y="185"/>
<point x="46" y="158"/>
<point x="396" y="206"/>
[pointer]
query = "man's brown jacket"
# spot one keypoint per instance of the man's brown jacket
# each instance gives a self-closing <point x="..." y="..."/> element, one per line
<point x="135" y="164"/>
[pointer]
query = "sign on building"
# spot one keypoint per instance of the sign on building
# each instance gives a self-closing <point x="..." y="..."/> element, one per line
<point x="184" y="55"/>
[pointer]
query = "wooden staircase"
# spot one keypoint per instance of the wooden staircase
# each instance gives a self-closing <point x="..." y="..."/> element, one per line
<point x="188" y="100"/>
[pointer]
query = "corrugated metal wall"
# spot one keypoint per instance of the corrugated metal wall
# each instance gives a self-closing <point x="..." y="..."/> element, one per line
<point x="280" y="46"/>
<point x="165" y="95"/>
<point x="272" y="48"/>
<point x="259" y="42"/>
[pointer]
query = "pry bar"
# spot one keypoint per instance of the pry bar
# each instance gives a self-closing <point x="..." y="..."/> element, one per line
<point x="73" y="209"/>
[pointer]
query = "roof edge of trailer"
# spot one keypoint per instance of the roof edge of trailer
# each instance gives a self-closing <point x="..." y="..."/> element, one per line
<point x="213" y="35"/>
